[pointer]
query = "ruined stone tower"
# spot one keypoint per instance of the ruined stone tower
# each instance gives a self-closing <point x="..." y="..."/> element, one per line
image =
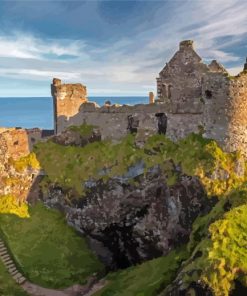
<point x="67" y="99"/>
<point x="196" y="94"/>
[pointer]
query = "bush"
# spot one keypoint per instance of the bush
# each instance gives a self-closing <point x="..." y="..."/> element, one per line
<point x="10" y="205"/>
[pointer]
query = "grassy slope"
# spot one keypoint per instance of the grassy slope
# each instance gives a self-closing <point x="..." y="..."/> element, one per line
<point x="196" y="156"/>
<point x="48" y="251"/>
<point x="7" y="285"/>
<point x="145" y="279"/>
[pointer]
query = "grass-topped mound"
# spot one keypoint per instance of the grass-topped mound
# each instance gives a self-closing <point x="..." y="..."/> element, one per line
<point x="70" y="166"/>
<point x="47" y="250"/>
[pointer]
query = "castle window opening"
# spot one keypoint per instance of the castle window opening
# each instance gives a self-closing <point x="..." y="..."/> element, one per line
<point x="208" y="94"/>
<point x="162" y="123"/>
<point x="16" y="143"/>
<point x="133" y="124"/>
<point x="164" y="87"/>
<point x="169" y="91"/>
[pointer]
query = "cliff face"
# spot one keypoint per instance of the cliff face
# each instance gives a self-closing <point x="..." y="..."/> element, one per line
<point x="135" y="219"/>
<point x="135" y="203"/>
<point x="18" y="169"/>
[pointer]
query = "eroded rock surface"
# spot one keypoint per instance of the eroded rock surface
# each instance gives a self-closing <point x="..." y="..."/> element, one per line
<point x="132" y="220"/>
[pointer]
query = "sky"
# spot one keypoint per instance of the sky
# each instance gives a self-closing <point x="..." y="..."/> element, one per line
<point x="115" y="48"/>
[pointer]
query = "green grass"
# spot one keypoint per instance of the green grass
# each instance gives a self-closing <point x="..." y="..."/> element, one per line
<point x="146" y="279"/>
<point x="84" y="130"/>
<point x="227" y="256"/>
<point x="196" y="156"/>
<point x="8" y="287"/>
<point x="47" y="250"/>
<point x="218" y="246"/>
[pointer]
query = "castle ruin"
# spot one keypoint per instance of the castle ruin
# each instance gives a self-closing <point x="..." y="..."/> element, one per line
<point x="69" y="98"/>
<point x="192" y="96"/>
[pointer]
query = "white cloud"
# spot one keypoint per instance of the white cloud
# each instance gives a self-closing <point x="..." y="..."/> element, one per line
<point x="131" y="65"/>
<point x="235" y="70"/>
<point x="27" y="46"/>
<point x="38" y="74"/>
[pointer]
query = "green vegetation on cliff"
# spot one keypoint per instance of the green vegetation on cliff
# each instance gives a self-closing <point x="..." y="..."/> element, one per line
<point x="10" y="205"/>
<point x="84" y="130"/>
<point x="70" y="167"/>
<point x="146" y="279"/>
<point x="47" y="250"/>
<point x="25" y="162"/>
<point x="217" y="247"/>
<point x="227" y="255"/>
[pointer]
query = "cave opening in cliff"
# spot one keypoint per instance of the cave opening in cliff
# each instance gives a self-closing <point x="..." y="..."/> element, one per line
<point x="162" y="123"/>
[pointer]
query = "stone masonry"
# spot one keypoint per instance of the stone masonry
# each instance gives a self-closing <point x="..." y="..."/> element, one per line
<point x="67" y="100"/>
<point x="17" y="142"/>
<point x="192" y="96"/>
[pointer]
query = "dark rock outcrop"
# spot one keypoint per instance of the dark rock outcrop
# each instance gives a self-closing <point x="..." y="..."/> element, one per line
<point x="72" y="137"/>
<point x="132" y="220"/>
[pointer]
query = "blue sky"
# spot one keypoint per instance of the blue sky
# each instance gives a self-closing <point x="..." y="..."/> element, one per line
<point x="113" y="47"/>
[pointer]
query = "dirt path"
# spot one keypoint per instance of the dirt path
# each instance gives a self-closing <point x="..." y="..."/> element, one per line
<point x="76" y="290"/>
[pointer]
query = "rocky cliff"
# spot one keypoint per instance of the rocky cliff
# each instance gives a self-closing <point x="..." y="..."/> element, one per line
<point x="135" y="217"/>
<point x="182" y="203"/>
<point x="137" y="203"/>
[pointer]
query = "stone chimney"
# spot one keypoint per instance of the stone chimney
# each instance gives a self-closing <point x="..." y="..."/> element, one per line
<point x="245" y="65"/>
<point x="185" y="44"/>
<point x="151" y="97"/>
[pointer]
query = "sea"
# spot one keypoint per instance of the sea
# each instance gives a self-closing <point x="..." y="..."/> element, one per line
<point x="38" y="112"/>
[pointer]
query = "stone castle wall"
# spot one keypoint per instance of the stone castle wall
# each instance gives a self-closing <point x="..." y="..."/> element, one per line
<point x="192" y="96"/>
<point x="67" y="99"/>
<point x="225" y="115"/>
<point x="114" y="121"/>
<point x="179" y="83"/>
<point x="238" y="113"/>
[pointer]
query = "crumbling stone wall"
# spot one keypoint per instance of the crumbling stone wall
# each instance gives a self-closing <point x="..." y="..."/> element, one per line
<point x="225" y="114"/>
<point x="192" y="96"/>
<point x="67" y="100"/>
<point x="113" y="121"/>
<point x="179" y="83"/>
<point x="238" y="114"/>
<point x="15" y="142"/>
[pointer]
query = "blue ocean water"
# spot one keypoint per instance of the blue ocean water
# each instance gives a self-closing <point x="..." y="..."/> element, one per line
<point x="38" y="112"/>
